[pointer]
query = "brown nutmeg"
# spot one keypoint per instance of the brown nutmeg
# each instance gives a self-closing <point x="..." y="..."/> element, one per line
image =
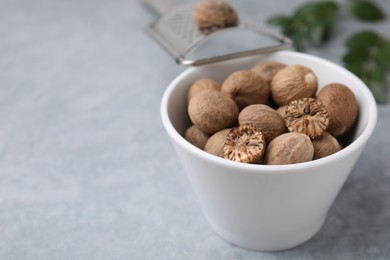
<point x="293" y="82"/>
<point x="289" y="148"/>
<point x="281" y="110"/>
<point x="268" y="69"/>
<point x="196" y="137"/>
<point x="201" y="85"/>
<point x="306" y="116"/>
<point x="265" y="118"/>
<point x="246" y="88"/>
<point x="342" y="106"/>
<point x="211" y="111"/>
<point x="325" y="145"/>
<point x="244" y="144"/>
<point x="211" y="15"/>
<point x="216" y="142"/>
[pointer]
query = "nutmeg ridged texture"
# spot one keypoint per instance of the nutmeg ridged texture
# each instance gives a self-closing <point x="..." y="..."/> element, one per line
<point x="306" y="116"/>
<point x="270" y="122"/>
<point x="211" y="111"/>
<point x="293" y="82"/>
<point x="325" y="146"/>
<point x="267" y="69"/>
<point x="212" y="15"/>
<point x="244" y="144"/>
<point x="196" y="137"/>
<point x="289" y="148"/>
<point x="342" y="107"/>
<point x="246" y="88"/>
<point x="200" y="85"/>
<point x="216" y="142"/>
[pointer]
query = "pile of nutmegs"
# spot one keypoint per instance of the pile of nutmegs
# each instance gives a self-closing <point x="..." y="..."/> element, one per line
<point x="270" y="114"/>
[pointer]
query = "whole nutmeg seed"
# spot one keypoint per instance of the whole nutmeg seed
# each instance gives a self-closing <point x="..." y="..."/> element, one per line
<point x="211" y="111"/>
<point x="200" y="85"/>
<point x="196" y="137"/>
<point x="289" y="148"/>
<point x="246" y="88"/>
<point x="216" y="142"/>
<point x="306" y="116"/>
<point x="281" y="110"/>
<point x="265" y="118"/>
<point x="293" y="82"/>
<point x="211" y="15"/>
<point x="342" y="106"/>
<point x="244" y="144"/>
<point x="325" y="146"/>
<point x="268" y="69"/>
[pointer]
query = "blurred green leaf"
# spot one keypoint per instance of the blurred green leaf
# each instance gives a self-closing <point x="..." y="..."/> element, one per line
<point x="354" y="56"/>
<point x="314" y="9"/>
<point x="356" y="68"/>
<point x="282" y="21"/>
<point x="366" y="11"/>
<point x="377" y="83"/>
<point x="328" y="27"/>
<point x="382" y="56"/>
<point x="316" y="33"/>
<point x="298" y="41"/>
<point x="362" y="40"/>
<point x="368" y="57"/>
<point x="310" y="23"/>
<point x="368" y="54"/>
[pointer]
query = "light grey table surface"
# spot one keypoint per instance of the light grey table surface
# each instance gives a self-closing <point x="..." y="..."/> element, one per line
<point x="86" y="168"/>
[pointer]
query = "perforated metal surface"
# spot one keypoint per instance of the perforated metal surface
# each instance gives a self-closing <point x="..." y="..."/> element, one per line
<point x="176" y="31"/>
<point x="180" y="21"/>
<point x="179" y="29"/>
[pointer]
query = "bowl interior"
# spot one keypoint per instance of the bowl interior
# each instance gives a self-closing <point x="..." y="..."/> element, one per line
<point x="174" y="105"/>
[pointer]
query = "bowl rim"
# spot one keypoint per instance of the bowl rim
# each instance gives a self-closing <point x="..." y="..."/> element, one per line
<point x="360" y="141"/>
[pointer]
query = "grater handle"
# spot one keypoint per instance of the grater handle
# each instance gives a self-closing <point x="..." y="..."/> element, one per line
<point x="160" y="7"/>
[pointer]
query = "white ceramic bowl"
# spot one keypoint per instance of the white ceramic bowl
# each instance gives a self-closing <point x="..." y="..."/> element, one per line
<point x="266" y="207"/>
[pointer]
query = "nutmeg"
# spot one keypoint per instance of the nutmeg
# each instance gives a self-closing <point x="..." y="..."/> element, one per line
<point x="200" y="85"/>
<point x="216" y="142"/>
<point x="268" y="69"/>
<point x="211" y="111"/>
<point x="325" y="146"/>
<point x="246" y="88"/>
<point x="281" y="110"/>
<point x="244" y="144"/>
<point x="196" y="137"/>
<point x="342" y="106"/>
<point x="211" y="15"/>
<point x="293" y="82"/>
<point x="289" y="148"/>
<point x="270" y="122"/>
<point x="306" y="116"/>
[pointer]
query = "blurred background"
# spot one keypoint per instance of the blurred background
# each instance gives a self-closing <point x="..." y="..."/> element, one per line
<point x="86" y="169"/>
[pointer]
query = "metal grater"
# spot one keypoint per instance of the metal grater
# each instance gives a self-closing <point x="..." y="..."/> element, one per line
<point x="176" y="31"/>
